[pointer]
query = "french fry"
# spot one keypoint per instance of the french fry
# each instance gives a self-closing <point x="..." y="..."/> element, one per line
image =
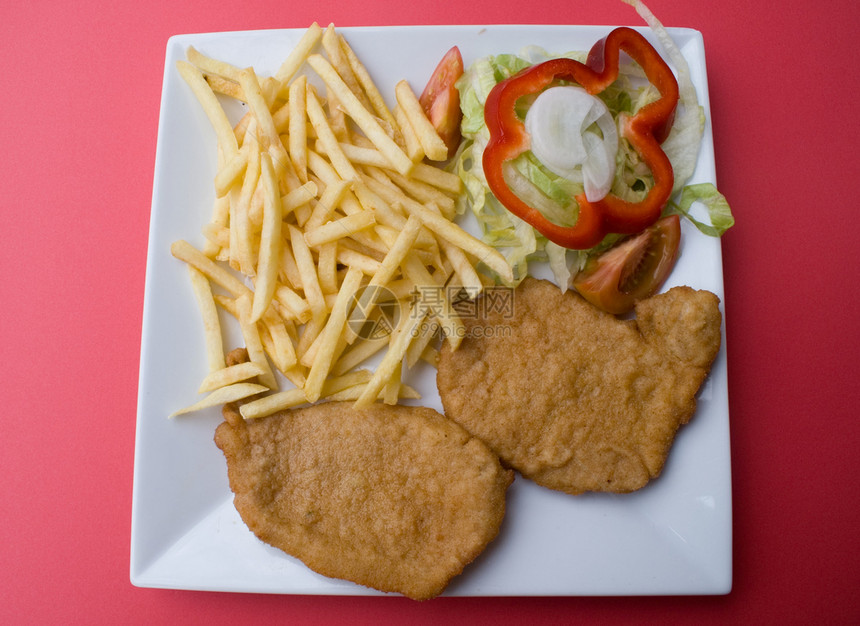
<point x="299" y="54"/>
<point x="297" y="306"/>
<point x="328" y="203"/>
<point x="377" y="102"/>
<point x="446" y="181"/>
<point x="308" y="273"/>
<point x="358" y="354"/>
<point x="309" y="209"/>
<point x="270" y="241"/>
<point x="310" y="355"/>
<point x="211" y="323"/>
<point x="241" y="247"/>
<point x="431" y="297"/>
<point x="352" y="258"/>
<point x="393" y="359"/>
<point x="327" y="138"/>
<point x="430" y="356"/>
<point x="363" y="118"/>
<point x="298" y="139"/>
<point x="228" y="304"/>
<point x="402" y="289"/>
<point x="460" y="264"/>
<point x="391" y="390"/>
<point x="329" y="176"/>
<point x="308" y="335"/>
<point x="231" y="172"/>
<point x="327" y="267"/>
<point x="289" y="274"/>
<point x="336" y="54"/>
<point x="241" y="128"/>
<point x="291" y="398"/>
<point x="330" y="335"/>
<point x="270" y="88"/>
<point x="299" y="197"/>
<point x="217" y="117"/>
<point x="282" y="352"/>
<point x="340" y="228"/>
<point x="430" y="141"/>
<point x="281" y="118"/>
<point x="426" y="334"/>
<point x="272" y="403"/>
<point x="184" y="251"/>
<point x="217" y="235"/>
<point x="424" y="193"/>
<point x="257" y="208"/>
<point x="220" y="220"/>
<point x="208" y="65"/>
<point x="224" y="395"/>
<point x="224" y="86"/>
<point x="397" y="253"/>
<point x="229" y="376"/>
<point x="353" y="393"/>
<point x="448" y="230"/>
<point x="386" y="214"/>
<point x="336" y="115"/>
<point x="361" y="155"/>
<point x="260" y="109"/>
<point x="253" y="342"/>
<point x="411" y="143"/>
<point x="296" y="375"/>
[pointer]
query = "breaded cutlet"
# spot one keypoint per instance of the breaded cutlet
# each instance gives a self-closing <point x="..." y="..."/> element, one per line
<point x="576" y="399"/>
<point x="397" y="498"/>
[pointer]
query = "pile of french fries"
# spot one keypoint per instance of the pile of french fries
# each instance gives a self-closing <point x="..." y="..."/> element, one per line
<point x="324" y="198"/>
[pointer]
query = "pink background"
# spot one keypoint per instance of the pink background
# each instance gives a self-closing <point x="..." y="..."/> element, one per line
<point x="78" y="139"/>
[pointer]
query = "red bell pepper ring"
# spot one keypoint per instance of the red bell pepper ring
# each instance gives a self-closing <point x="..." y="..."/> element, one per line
<point x="645" y="131"/>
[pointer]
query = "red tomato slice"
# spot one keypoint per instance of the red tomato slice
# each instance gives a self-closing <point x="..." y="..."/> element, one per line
<point x="441" y="100"/>
<point x="633" y="269"/>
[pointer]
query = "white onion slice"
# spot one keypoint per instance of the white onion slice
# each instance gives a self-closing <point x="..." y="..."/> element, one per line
<point x="560" y="124"/>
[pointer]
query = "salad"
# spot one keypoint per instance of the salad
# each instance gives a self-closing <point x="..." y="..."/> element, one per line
<point x="566" y="147"/>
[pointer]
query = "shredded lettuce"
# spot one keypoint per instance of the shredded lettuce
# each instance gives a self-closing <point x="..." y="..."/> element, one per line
<point x="518" y="241"/>
<point x="683" y="143"/>
<point x="719" y="213"/>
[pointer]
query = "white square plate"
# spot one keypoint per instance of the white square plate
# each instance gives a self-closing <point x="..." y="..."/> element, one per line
<point x="672" y="537"/>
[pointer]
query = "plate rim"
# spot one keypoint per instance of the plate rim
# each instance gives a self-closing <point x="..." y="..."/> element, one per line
<point x="138" y="571"/>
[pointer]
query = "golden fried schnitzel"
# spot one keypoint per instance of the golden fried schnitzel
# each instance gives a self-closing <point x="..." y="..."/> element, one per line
<point x="397" y="498"/>
<point x="574" y="398"/>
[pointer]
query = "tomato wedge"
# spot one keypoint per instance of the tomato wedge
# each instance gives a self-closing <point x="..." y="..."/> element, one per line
<point x="633" y="269"/>
<point x="441" y="99"/>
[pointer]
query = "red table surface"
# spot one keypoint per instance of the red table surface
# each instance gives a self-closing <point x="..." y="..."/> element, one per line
<point x="83" y="84"/>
